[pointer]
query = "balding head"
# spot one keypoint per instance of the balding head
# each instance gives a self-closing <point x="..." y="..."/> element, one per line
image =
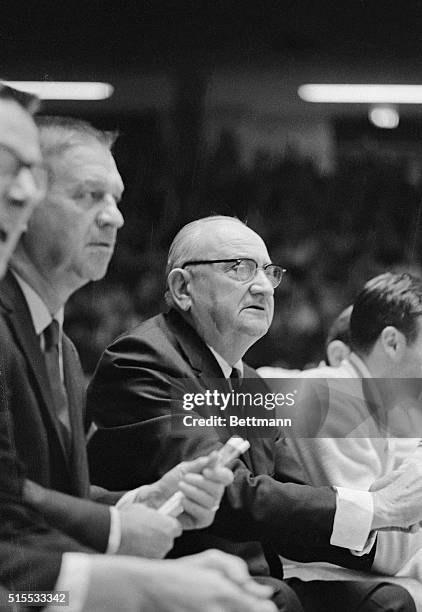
<point x="191" y="241"/>
<point x="219" y="279"/>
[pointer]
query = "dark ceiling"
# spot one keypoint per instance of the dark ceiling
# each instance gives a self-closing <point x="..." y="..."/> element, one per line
<point x="125" y="42"/>
<point x="123" y="35"/>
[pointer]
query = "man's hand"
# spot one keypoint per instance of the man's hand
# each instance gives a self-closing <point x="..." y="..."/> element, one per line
<point x="201" y="481"/>
<point x="185" y="585"/>
<point x="233" y="568"/>
<point x="397" y="496"/>
<point x="146" y="532"/>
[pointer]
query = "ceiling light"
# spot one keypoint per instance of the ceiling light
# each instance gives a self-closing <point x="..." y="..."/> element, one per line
<point x="361" y="94"/>
<point x="385" y="117"/>
<point x="64" y="90"/>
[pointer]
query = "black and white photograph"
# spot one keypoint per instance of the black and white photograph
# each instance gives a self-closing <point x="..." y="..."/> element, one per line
<point x="211" y="306"/>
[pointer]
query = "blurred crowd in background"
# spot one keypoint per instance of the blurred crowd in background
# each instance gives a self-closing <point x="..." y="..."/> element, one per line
<point x="331" y="231"/>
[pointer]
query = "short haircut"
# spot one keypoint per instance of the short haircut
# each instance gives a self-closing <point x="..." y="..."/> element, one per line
<point x="388" y="299"/>
<point x="186" y="242"/>
<point x="340" y="328"/>
<point x="28" y="101"/>
<point x="58" y="134"/>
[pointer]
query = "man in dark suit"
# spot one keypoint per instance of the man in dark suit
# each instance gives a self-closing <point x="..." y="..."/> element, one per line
<point x="47" y="517"/>
<point x="220" y="289"/>
<point x="22" y="185"/>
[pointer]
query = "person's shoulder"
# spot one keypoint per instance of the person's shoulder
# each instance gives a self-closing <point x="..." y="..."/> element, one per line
<point x="145" y="330"/>
<point x="277" y="372"/>
<point x="326" y="371"/>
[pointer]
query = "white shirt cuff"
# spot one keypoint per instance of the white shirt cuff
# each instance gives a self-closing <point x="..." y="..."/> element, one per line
<point x="74" y="576"/>
<point x="128" y="498"/>
<point x="353" y="520"/>
<point x="115" y="534"/>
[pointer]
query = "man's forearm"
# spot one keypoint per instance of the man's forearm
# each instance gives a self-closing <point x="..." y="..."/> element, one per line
<point x="84" y="520"/>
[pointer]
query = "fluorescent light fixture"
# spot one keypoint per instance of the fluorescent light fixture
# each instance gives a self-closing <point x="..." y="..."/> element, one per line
<point x="361" y="94"/>
<point x="385" y="117"/>
<point x="64" y="90"/>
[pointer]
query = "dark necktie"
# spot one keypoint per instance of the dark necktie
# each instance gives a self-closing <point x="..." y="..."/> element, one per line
<point x="52" y="362"/>
<point x="235" y="379"/>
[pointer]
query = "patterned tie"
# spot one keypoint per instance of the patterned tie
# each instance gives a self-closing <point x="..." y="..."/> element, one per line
<point x="52" y="362"/>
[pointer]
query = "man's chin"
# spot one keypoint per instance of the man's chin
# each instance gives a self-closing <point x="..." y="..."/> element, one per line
<point x="96" y="273"/>
<point x="255" y="331"/>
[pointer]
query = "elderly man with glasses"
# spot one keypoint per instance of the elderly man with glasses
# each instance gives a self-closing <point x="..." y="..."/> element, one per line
<point x="220" y="290"/>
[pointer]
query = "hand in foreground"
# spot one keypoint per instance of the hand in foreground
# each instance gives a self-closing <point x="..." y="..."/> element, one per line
<point x="233" y="568"/>
<point x="130" y="585"/>
<point x="201" y="481"/>
<point x="397" y="496"/>
<point x="146" y="533"/>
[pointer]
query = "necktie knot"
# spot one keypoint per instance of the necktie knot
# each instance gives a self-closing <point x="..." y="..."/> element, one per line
<point x="235" y="378"/>
<point x="51" y="335"/>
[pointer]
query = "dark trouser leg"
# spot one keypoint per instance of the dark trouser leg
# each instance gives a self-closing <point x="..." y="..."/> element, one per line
<point x="350" y="596"/>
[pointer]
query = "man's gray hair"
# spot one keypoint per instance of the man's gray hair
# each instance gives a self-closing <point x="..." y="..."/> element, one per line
<point x="58" y="134"/>
<point x="187" y="241"/>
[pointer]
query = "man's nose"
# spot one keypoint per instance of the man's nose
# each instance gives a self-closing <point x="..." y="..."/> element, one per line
<point x="261" y="283"/>
<point x="110" y="214"/>
<point x="23" y="187"/>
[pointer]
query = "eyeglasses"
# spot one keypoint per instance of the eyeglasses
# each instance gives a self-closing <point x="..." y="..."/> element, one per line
<point x="244" y="270"/>
<point x="11" y="165"/>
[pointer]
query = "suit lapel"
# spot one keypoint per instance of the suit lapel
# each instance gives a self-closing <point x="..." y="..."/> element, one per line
<point x="22" y="328"/>
<point x="196" y="353"/>
<point x="203" y="363"/>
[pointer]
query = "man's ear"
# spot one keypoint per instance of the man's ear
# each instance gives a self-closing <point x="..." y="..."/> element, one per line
<point x="337" y="350"/>
<point x="393" y="342"/>
<point x="178" y="285"/>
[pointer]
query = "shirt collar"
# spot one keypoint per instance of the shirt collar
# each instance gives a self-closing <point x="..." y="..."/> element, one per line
<point x="358" y="364"/>
<point x="40" y="315"/>
<point x="226" y="368"/>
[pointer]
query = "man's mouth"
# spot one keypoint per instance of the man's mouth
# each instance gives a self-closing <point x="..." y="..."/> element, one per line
<point x="254" y="307"/>
<point x="103" y="245"/>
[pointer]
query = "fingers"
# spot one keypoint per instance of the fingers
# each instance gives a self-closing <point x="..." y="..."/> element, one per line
<point x="234" y="569"/>
<point x="195" y="516"/>
<point x="258" y="590"/>
<point x="248" y="603"/>
<point x="197" y="465"/>
<point x="200" y="482"/>
<point x="219" y="474"/>
<point x="208" y="467"/>
<point x="384" y="481"/>
<point x="204" y="493"/>
<point x="174" y="527"/>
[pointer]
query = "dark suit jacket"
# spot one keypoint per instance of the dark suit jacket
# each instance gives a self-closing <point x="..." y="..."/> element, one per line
<point x="135" y="399"/>
<point x="32" y="431"/>
<point x="30" y="549"/>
